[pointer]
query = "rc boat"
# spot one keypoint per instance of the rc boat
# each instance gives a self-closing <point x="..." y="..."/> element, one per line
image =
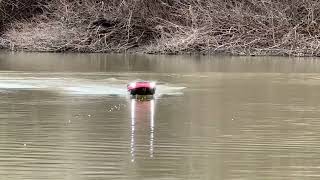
<point x="143" y="88"/>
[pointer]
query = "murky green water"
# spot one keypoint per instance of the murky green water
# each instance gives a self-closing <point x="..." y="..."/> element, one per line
<point x="68" y="116"/>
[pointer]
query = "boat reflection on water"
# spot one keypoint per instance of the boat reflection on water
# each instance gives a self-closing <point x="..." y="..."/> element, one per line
<point x="142" y="120"/>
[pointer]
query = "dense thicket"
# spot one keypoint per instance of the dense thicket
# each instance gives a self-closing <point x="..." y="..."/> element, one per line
<point x="286" y="27"/>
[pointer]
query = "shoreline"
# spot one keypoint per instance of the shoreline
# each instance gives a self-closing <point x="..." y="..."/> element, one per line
<point x="139" y="51"/>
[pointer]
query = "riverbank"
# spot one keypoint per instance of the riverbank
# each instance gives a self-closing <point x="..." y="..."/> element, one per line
<point x="247" y="27"/>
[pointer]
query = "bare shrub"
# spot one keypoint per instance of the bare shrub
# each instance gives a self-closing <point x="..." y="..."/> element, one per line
<point x="278" y="27"/>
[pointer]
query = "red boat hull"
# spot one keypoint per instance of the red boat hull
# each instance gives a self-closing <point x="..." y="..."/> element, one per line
<point x="142" y="88"/>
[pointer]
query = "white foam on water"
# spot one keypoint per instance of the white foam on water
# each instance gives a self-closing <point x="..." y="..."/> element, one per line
<point x="168" y="90"/>
<point x="8" y="85"/>
<point x="79" y="86"/>
<point x="96" y="90"/>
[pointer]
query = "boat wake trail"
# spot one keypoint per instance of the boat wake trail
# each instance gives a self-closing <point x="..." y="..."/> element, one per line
<point x="78" y="86"/>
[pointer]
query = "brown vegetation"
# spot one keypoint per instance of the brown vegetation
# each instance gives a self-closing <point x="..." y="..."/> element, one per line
<point x="242" y="27"/>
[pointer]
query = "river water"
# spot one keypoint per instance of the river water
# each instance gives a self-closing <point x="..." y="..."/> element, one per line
<point x="68" y="116"/>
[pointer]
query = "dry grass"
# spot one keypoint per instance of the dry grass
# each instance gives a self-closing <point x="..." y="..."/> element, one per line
<point x="242" y="27"/>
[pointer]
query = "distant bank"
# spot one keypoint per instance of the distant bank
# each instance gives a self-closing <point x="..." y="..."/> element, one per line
<point x="242" y="27"/>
